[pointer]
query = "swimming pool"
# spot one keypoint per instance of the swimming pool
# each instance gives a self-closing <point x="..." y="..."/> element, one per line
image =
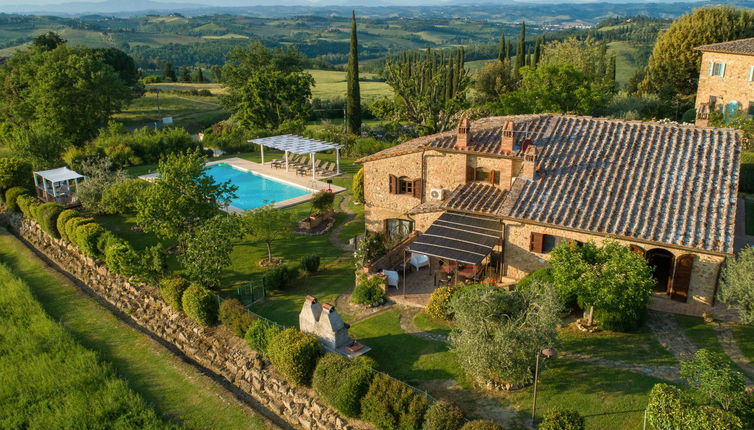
<point x="254" y="190"/>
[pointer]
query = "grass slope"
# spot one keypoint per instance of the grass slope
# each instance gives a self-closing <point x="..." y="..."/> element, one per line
<point x="170" y="386"/>
<point x="331" y="84"/>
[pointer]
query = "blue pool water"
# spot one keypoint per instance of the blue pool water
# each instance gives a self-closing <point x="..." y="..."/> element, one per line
<point x="254" y="190"/>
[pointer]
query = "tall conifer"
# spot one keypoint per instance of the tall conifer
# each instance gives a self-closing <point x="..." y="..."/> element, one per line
<point x="353" y="91"/>
<point x="521" y="49"/>
<point x="502" y="53"/>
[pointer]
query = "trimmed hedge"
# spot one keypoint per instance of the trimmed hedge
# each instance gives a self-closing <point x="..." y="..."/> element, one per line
<point x="310" y="263"/>
<point x="278" y="277"/>
<point x="63" y="218"/>
<point x="481" y="425"/>
<point x="259" y="334"/>
<point x="294" y="354"/>
<point x="121" y="258"/>
<point x="47" y="217"/>
<point x="235" y="317"/>
<point x="390" y="404"/>
<point x="172" y="292"/>
<point x="342" y="384"/>
<point x="85" y="237"/>
<point x="443" y="415"/>
<point x="26" y="204"/>
<point x="72" y="225"/>
<point x="562" y="419"/>
<point x="11" y="197"/>
<point x="200" y="304"/>
<point x="438" y="306"/>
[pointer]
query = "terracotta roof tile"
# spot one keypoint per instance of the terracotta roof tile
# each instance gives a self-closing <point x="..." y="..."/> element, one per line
<point x="741" y="46"/>
<point x="476" y="197"/>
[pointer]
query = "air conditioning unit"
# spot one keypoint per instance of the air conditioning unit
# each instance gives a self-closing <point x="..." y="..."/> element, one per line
<point x="436" y="194"/>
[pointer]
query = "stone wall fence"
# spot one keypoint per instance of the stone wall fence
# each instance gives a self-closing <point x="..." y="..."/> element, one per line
<point x="212" y="348"/>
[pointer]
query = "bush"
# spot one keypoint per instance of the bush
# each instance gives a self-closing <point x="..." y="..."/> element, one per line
<point x="63" y="218"/>
<point x="310" y="263"/>
<point x="259" y="334"/>
<point x="11" y="197"/>
<point x="72" y="224"/>
<point x="481" y="425"/>
<point x="121" y="197"/>
<point x="438" y="306"/>
<point x="342" y="384"/>
<point x="357" y="186"/>
<point x="278" y="277"/>
<point x="121" y="258"/>
<point x="371" y="247"/>
<point x="200" y="304"/>
<point x="235" y="317"/>
<point x="47" y="217"/>
<point x="368" y="290"/>
<point x="26" y="204"/>
<point x="294" y="354"/>
<point x="85" y="237"/>
<point x="14" y="172"/>
<point x="104" y="240"/>
<point x="390" y="404"/>
<point x="562" y="419"/>
<point x="443" y="415"/>
<point x="172" y="292"/>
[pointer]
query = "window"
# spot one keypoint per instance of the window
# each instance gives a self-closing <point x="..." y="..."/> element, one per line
<point x="405" y="185"/>
<point x="398" y="228"/>
<point x="712" y="102"/>
<point x="716" y="69"/>
<point x="751" y="73"/>
<point x="545" y="243"/>
<point x="482" y="174"/>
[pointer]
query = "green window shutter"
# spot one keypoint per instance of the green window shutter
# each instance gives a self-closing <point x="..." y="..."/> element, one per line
<point x="711" y="67"/>
<point x="722" y="70"/>
<point x="751" y="73"/>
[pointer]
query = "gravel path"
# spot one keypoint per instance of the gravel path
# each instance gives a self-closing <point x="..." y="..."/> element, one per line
<point x="724" y="333"/>
<point x="334" y="235"/>
<point x="671" y="335"/>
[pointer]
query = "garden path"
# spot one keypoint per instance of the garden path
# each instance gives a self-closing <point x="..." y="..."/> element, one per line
<point x="334" y="235"/>
<point x="724" y="332"/>
<point x="670" y="335"/>
<point x="407" y="324"/>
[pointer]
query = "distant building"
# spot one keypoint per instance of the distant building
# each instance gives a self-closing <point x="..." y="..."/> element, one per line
<point x="726" y="79"/>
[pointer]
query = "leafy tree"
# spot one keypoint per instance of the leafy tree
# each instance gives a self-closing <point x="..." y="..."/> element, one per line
<point x="14" y="172"/>
<point x="184" y="74"/>
<point x="267" y="224"/>
<point x="64" y="92"/>
<point x="48" y="41"/>
<point x="182" y="197"/>
<point x="553" y="88"/>
<point x="40" y="147"/>
<point x="669" y="408"/>
<point x="123" y="64"/>
<point x="588" y="56"/>
<point x="495" y="79"/>
<point x="208" y="248"/>
<point x="562" y="419"/>
<point x="100" y="176"/>
<point x="266" y="88"/>
<point x="322" y="202"/>
<point x="612" y="279"/>
<point x="357" y="186"/>
<point x="673" y="69"/>
<point x="498" y="333"/>
<point x="353" y="91"/>
<point x="168" y="72"/>
<point x="715" y="376"/>
<point x="430" y="90"/>
<point x="736" y="282"/>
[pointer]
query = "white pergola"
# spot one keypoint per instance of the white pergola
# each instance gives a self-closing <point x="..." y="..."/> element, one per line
<point x="49" y="183"/>
<point x="298" y="145"/>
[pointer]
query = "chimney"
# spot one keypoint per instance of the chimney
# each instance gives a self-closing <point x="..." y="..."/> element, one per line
<point x="530" y="162"/>
<point x="464" y="132"/>
<point x="509" y="138"/>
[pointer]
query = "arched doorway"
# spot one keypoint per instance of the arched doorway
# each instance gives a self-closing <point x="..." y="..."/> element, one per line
<point x="661" y="262"/>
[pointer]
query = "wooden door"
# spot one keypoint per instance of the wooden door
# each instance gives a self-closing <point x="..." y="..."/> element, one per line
<point x="682" y="278"/>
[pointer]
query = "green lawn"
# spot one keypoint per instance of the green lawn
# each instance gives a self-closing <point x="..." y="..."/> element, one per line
<point x="606" y="398"/>
<point x="744" y="336"/>
<point x="701" y="333"/>
<point x="402" y="355"/>
<point x="172" y="387"/>
<point x="640" y="347"/>
<point x="194" y="113"/>
<point x="426" y="323"/>
<point x="331" y="84"/>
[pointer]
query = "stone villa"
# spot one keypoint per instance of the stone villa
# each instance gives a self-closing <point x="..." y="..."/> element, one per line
<point x="726" y="79"/>
<point x="503" y="191"/>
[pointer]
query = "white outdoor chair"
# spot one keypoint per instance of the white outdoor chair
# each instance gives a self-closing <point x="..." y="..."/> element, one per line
<point x="419" y="260"/>
<point x="392" y="278"/>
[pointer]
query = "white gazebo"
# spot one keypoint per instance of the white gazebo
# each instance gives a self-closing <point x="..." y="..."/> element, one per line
<point x="299" y="145"/>
<point x="55" y="185"/>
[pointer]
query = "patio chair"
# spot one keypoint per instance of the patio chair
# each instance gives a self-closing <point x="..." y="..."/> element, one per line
<point x="419" y="260"/>
<point x="392" y="278"/>
<point x="326" y="169"/>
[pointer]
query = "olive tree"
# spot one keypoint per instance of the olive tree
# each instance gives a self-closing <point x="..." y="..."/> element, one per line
<point x="498" y="333"/>
<point x="736" y="282"/>
<point x="208" y="248"/>
<point x="268" y="225"/>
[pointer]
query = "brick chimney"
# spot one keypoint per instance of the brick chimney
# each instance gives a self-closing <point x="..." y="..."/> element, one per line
<point x="509" y="138"/>
<point x="529" y="167"/>
<point x="464" y="134"/>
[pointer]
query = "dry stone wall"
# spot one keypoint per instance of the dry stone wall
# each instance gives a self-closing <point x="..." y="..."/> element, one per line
<point x="213" y="348"/>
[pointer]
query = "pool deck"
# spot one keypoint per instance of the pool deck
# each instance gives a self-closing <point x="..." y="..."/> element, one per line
<point x="279" y="175"/>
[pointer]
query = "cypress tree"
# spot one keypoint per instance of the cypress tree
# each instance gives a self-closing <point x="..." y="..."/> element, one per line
<point x="168" y="73"/>
<point x="611" y="71"/>
<point x="502" y="52"/>
<point x="353" y="91"/>
<point x="508" y="51"/>
<point x="537" y="52"/>
<point x="521" y="49"/>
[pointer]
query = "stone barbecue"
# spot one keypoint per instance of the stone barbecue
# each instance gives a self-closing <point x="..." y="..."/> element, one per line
<point x="323" y="321"/>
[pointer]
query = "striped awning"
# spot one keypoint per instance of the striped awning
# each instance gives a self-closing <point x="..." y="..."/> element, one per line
<point x="459" y="237"/>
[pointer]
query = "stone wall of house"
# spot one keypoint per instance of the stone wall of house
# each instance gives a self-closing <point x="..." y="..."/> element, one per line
<point x="213" y="348"/>
<point x="734" y="86"/>
<point x="519" y="261"/>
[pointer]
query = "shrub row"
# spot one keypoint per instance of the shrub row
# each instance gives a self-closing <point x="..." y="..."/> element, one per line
<point x="278" y="277"/>
<point x="342" y="384"/>
<point x="294" y="354"/>
<point x="233" y="315"/>
<point x="200" y="304"/>
<point x="11" y="197"/>
<point x="259" y="334"/>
